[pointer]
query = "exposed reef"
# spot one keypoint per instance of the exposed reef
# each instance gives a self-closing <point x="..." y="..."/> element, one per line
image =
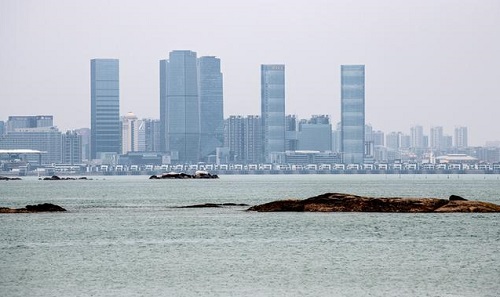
<point x="182" y="175"/>
<point x="337" y="202"/>
<point x="211" y="205"/>
<point x="55" y="177"/>
<point x="9" y="178"/>
<point x="45" y="207"/>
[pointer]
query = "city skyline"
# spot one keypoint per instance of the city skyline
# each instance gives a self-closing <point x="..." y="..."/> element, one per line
<point x="430" y="63"/>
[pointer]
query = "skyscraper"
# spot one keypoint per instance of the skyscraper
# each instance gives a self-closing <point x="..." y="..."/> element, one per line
<point x="211" y="105"/>
<point x="437" y="138"/>
<point x="130" y="133"/>
<point x="71" y="152"/>
<point x="353" y="113"/>
<point x="105" y="107"/>
<point x="179" y="106"/>
<point x="273" y="109"/>
<point x="417" y="137"/>
<point x="461" y="137"/>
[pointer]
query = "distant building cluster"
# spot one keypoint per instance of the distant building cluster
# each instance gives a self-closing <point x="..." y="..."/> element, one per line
<point x="192" y="128"/>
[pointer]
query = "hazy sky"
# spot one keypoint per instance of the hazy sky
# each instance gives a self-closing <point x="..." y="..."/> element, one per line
<point x="428" y="62"/>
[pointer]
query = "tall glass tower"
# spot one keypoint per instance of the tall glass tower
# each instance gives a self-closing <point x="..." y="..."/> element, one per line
<point x="273" y="109"/>
<point x="211" y="105"/>
<point x="105" y="107"/>
<point x="353" y="113"/>
<point x="179" y="107"/>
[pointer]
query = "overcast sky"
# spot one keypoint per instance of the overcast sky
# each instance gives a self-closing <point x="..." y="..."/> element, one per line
<point x="428" y="62"/>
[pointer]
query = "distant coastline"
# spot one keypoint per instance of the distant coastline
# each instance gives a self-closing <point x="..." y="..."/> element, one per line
<point x="262" y="172"/>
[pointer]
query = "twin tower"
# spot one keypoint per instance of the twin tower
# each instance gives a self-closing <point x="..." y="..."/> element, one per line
<point x="191" y="108"/>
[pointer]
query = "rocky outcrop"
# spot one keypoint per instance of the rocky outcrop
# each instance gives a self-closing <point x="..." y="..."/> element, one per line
<point x="45" y="207"/>
<point x="182" y="175"/>
<point x="212" y="205"/>
<point x="9" y="178"/>
<point x="55" y="177"/>
<point x="337" y="202"/>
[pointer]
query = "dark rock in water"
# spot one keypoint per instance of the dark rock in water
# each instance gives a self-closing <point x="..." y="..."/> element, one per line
<point x="210" y="205"/>
<point x="9" y="178"/>
<point x="336" y="202"/>
<point x="45" y="207"/>
<point x="55" y="177"/>
<point x="456" y="198"/>
<point x="182" y="175"/>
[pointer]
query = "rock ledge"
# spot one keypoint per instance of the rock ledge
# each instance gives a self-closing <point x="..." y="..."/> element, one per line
<point x="45" y="207"/>
<point x="337" y="202"/>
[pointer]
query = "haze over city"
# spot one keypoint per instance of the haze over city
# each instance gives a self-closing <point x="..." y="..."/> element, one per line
<point x="432" y="63"/>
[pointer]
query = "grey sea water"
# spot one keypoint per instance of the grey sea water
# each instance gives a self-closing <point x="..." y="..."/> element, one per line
<point x="123" y="236"/>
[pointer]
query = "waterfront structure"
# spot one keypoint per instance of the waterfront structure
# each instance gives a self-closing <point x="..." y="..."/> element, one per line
<point x="273" y="109"/>
<point x="71" y="152"/>
<point x="179" y="106"/>
<point x="45" y="139"/>
<point x="461" y="137"/>
<point x="105" y="124"/>
<point x="353" y="113"/>
<point x="210" y="91"/>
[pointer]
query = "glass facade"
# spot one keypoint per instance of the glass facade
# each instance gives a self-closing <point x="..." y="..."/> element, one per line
<point x="353" y="113"/>
<point x="179" y="106"/>
<point x="273" y="109"/>
<point x="315" y="134"/>
<point x="45" y="139"/>
<point x="211" y="106"/>
<point x="105" y="107"/>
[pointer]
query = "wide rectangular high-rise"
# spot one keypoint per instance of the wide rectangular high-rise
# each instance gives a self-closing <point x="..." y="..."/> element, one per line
<point x="105" y="107"/>
<point x="273" y="109"/>
<point x="211" y="106"/>
<point x="179" y="106"/>
<point x="353" y="113"/>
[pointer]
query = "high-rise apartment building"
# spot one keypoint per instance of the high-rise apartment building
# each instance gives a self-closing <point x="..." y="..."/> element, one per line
<point x="235" y="137"/>
<point x="211" y="105"/>
<point x="253" y="139"/>
<point x="105" y="124"/>
<point x="243" y="137"/>
<point x="71" y="148"/>
<point x="179" y="106"/>
<point x="437" y="138"/>
<point x="461" y="137"/>
<point x="130" y="133"/>
<point x="417" y="137"/>
<point x="151" y="135"/>
<point x="353" y="113"/>
<point x="393" y="140"/>
<point x="273" y="109"/>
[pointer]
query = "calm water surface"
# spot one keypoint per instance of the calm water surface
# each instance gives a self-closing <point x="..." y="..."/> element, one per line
<point x="123" y="236"/>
